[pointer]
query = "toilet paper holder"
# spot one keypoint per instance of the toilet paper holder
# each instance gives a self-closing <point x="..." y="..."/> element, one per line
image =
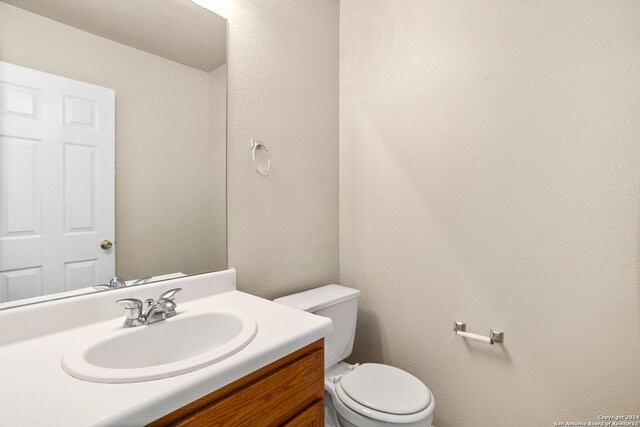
<point x="460" y="328"/>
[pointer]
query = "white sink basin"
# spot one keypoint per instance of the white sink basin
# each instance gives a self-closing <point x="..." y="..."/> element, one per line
<point x="175" y="346"/>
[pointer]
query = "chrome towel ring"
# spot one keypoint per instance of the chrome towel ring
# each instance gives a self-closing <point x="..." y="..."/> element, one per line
<point x="255" y="146"/>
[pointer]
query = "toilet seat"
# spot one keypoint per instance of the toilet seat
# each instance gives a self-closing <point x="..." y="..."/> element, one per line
<point x="385" y="388"/>
<point x="385" y="393"/>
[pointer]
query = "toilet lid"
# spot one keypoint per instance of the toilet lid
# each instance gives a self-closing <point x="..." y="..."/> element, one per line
<point x="386" y="389"/>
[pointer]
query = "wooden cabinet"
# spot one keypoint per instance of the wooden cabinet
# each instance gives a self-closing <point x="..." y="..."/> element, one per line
<point x="288" y="392"/>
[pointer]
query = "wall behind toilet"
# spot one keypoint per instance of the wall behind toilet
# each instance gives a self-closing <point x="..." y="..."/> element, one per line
<point x="490" y="171"/>
<point x="283" y="90"/>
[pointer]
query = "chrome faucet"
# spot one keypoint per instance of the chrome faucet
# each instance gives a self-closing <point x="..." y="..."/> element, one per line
<point x="160" y="309"/>
<point x="116" y="282"/>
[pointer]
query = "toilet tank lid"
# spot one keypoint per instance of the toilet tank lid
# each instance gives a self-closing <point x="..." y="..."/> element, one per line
<point x="319" y="298"/>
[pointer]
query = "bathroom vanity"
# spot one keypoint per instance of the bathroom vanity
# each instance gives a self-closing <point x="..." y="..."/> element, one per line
<point x="277" y="378"/>
<point x="147" y="100"/>
<point x="287" y="392"/>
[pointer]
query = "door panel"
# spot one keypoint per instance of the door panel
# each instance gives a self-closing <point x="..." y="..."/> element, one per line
<point x="20" y="187"/>
<point x="21" y="283"/>
<point x="79" y="188"/>
<point x="19" y="101"/>
<point x="77" y="273"/>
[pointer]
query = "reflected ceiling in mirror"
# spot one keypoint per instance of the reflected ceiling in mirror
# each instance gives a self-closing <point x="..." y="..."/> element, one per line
<point x="112" y="144"/>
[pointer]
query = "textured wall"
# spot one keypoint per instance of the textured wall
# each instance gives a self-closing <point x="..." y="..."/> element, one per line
<point x="490" y="171"/>
<point x="283" y="90"/>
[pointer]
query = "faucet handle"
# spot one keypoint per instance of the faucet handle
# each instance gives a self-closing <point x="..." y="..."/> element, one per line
<point x="117" y="282"/>
<point x="170" y="294"/>
<point x="132" y="307"/>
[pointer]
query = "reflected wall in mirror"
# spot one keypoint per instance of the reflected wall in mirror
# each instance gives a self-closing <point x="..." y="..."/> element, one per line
<point x="112" y="144"/>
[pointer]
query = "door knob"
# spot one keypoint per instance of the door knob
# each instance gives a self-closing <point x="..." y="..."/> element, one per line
<point x="106" y="244"/>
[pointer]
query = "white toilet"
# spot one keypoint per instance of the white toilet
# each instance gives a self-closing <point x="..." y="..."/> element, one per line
<point x="367" y="395"/>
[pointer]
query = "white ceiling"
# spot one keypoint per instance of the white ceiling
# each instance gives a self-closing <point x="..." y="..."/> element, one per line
<point x="178" y="30"/>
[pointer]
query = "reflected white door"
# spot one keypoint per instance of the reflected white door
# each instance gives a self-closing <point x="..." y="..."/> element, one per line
<point x="57" y="149"/>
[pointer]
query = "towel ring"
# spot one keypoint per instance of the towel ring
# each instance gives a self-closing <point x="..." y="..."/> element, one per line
<point x="256" y="145"/>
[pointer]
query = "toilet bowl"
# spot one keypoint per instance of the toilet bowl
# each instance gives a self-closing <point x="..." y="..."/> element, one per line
<point x="367" y="395"/>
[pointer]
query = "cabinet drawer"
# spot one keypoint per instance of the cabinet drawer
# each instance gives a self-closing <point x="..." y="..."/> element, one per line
<point x="271" y="396"/>
<point x="311" y="416"/>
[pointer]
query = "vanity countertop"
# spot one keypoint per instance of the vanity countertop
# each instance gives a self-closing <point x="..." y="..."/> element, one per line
<point x="36" y="391"/>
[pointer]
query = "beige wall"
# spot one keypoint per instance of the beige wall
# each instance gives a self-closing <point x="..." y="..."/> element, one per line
<point x="490" y="171"/>
<point x="164" y="213"/>
<point x="218" y="167"/>
<point x="283" y="90"/>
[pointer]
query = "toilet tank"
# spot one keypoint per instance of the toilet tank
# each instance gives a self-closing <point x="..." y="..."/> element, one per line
<point x="340" y="304"/>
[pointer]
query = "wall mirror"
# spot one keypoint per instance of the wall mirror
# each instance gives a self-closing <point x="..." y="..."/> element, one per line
<point x="112" y="144"/>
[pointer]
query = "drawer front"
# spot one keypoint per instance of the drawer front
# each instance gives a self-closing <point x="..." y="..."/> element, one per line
<point x="269" y="400"/>
<point x="311" y="416"/>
